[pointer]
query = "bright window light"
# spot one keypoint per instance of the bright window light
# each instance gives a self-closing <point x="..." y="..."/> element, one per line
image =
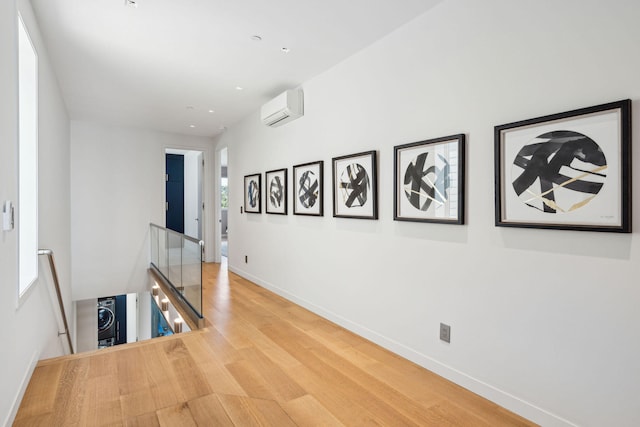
<point x="27" y="160"/>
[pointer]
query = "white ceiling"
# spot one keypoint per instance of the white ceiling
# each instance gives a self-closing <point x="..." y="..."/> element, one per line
<point x="145" y="66"/>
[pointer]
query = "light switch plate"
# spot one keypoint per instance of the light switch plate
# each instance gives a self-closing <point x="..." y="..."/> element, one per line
<point x="7" y="216"/>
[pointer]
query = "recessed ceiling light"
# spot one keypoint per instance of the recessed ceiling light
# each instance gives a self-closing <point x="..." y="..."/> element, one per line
<point x="256" y="38"/>
<point x="239" y="88"/>
<point x="212" y="111"/>
<point x="285" y="50"/>
<point x="131" y="3"/>
<point x="192" y="126"/>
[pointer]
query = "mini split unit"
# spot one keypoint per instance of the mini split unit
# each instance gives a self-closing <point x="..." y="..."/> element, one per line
<point x="283" y="108"/>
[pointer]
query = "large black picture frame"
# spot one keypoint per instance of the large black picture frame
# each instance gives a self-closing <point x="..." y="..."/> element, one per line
<point x="567" y="171"/>
<point x="429" y="180"/>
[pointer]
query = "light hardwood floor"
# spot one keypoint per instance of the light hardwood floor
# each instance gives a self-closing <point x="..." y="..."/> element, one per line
<point x="262" y="361"/>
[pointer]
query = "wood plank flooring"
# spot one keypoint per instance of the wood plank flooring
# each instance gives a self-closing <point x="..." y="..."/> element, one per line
<point x="261" y="361"/>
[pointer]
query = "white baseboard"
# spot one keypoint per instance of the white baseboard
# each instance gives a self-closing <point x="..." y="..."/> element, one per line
<point x="23" y="387"/>
<point x="500" y="397"/>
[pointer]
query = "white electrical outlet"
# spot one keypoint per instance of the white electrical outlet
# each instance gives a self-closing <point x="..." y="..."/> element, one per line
<point x="445" y="332"/>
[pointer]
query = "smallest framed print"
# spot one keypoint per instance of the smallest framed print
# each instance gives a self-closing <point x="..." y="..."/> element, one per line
<point x="307" y="189"/>
<point x="355" y="186"/>
<point x="276" y="192"/>
<point x="252" y="185"/>
<point x="429" y="180"/>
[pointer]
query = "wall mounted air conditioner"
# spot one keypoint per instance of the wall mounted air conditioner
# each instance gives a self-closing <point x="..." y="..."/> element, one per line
<point x="283" y="108"/>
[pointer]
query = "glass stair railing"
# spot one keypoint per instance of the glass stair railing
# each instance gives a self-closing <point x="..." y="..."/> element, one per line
<point x="177" y="259"/>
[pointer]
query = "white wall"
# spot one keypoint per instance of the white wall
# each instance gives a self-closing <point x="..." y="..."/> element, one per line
<point x="117" y="189"/>
<point x="29" y="331"/>
<point x="86" y="325"/>
<point x="543" y="322"/>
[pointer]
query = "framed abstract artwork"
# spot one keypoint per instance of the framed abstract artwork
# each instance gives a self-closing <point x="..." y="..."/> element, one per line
<point x="308" y="189"/>
<point x="252" y="184"/>
<point x="568" y="171"/>
<point x="429" y="178"/>
<point x="276" y="191"/>
<point x="355" y="186"/>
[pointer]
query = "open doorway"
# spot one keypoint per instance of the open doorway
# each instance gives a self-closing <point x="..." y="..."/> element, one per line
<point x="224" y="204"/>
<point x="184" y="177"/>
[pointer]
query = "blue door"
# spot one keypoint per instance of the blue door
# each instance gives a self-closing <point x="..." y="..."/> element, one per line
<point x="121" y="319"/>
<point x="175" y="192"/>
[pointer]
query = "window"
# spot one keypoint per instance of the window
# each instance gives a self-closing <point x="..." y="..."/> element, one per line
<point x="224" y="193"/>
<point x="27" y="160"/>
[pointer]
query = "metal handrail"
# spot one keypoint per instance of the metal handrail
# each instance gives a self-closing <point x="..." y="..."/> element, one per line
<point x="184" y="236"/>
<point x="56" y="282"/>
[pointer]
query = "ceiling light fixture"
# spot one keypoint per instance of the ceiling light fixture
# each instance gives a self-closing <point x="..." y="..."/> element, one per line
<point x="239" y="88"/>
<point x="192" y="126"/>
<point x="212" y="111"/>
<point x="285" y="50"/>
<point x="131" y="3"/>
<point x="256" y="38"/>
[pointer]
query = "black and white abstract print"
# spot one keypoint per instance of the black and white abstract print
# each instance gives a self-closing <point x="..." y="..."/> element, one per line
<point x="276" y="192"/>
<point x="354" y="185"/>
<point x="253" y="193"/>
<point x="559" y="171"/>
<point x="425" y="182"/>
<point x="429" y="180"/>
<point x="308" y="189"/>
